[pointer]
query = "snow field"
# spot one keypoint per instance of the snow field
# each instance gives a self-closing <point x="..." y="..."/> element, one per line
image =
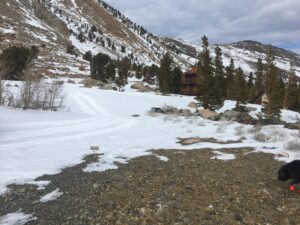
<point x="34" y="143"/>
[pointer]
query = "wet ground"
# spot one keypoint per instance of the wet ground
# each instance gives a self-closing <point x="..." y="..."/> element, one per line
<point x="190" y="188"/>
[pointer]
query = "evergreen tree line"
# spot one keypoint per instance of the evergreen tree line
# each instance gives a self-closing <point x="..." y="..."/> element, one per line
<point x="218" y="83"/>
<point x="107" y="70"/>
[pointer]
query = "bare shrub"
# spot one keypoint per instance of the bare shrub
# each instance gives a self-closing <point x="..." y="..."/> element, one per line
<point x="240" y="131"/>
<point x="201" y="124"/>
<point x="52" y="96"/>
<point x="31" y="93"/>
<point x="293" y="145"/>
<point x="191" y="120"/>
<point x="223" y="126"/>
<point x="36" y="94"/>
<point x="261" y="137"/>
<point x="4" y="68"/>
<point x="2" y="92"/>
<point x="271" y="134"/>
<point x="255" y="129"/>
<point x="168" y="118"/>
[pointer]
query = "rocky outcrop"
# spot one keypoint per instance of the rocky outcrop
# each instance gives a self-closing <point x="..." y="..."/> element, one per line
<point x="141" y="87"/>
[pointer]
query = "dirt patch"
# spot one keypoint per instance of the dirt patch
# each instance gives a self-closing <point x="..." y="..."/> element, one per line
<point x="193" y="140"/>
<point x="189" y="188"/>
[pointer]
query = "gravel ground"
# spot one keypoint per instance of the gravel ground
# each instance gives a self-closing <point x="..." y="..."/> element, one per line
<point x="190" y="188"/>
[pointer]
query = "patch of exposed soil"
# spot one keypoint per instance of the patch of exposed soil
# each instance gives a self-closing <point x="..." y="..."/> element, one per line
<point x="190" y="188"/>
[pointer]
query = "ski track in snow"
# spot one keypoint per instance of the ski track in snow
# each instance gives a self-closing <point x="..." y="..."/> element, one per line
<point x="17" y="139"/>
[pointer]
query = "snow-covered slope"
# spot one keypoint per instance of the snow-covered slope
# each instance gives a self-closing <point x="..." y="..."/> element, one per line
<point x="55" y="25"/>
<point x="33" y="143"/>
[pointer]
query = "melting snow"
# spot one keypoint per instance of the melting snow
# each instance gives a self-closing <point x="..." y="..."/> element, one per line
<point x="223" y="156"/>
<point x="16" y="218"/>
<point x="51" y="196"/>
<point x="7" y="30"/>
<point x="162" y="158"/>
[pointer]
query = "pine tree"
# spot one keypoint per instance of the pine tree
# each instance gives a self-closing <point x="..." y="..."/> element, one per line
<point x="102" y="67"/>
<point x="230" y="79"/>
<point x="88" y="56"/>
<point x="176" y="78"/>
<point x="150" y="74"/>
<point x="220" y="81"/>
<point x="250" y="88"/>
<point x="124" y="66"/>
<point x="260" y="79"/>
<point x="164" y="73"/>
<point x="291" y="91"/>
<point x="298" y="98"/>
<point x="123" y="49"/>
<point x="273" y="86"/>
<point x="239" y="87"/>
<point x="205" y="69"/>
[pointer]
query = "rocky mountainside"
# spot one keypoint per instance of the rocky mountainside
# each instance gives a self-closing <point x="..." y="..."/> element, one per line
<point x="66" y="29"/>
<point x="245" y="53"/>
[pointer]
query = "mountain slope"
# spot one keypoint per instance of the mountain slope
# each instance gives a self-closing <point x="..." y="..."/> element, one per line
<point x="93" y="25"/>
<point x="244" y="53"/>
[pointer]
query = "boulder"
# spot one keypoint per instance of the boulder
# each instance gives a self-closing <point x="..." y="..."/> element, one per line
<point x="16" y="85"/>
<point x="137" y="85"/>
<point x="70" y="81"/>
<point x="186" y="112"/>
<point x="156" y="110"/>
<point x="208" y="114"/>
<point x="106" y="87"/>
<point x="193" y="105"/>
<point x="59" y="82"/>
<point x="146" y="88"/>
<point x="237" y="116"/>
<point x="91" y="83"/>
<point x="230" y="115"/>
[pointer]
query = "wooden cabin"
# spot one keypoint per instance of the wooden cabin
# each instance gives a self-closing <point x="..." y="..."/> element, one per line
<point x="190" y="82"/>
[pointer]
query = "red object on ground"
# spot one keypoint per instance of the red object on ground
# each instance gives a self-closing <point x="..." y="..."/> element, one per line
<point x="292" y="188"/>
